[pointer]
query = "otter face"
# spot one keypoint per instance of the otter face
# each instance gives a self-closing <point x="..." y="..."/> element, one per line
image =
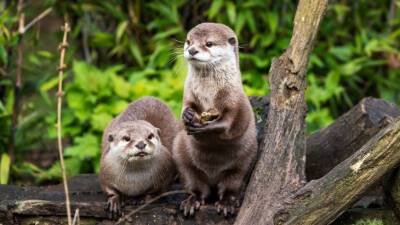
<point x="210" y="44"/>
<point x="135" y="141"/>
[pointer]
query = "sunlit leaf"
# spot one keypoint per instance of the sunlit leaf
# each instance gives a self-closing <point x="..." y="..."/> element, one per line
<point x="215" y="8"/>
<point x="4" y="168"/>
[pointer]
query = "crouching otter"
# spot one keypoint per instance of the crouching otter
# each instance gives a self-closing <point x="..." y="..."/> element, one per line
<point x="136" y="158"/>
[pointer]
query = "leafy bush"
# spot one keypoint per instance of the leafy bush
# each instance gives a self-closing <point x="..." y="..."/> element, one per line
<point x="122" y="50"/>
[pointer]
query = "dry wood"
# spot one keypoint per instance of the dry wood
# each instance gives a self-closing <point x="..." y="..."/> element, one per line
<point x="18" y="79"/>
<point x="330" y="146"/>
<point x="323" y="200"/>
<point x="61" y="69"/>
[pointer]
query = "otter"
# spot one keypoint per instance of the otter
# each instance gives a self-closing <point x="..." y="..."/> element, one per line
<point x="136" y="155"/>
<point x="218" y="145"/>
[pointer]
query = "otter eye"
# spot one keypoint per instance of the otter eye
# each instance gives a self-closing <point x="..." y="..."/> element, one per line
<point x="209" y="44"/>
<point x="188" y="42"/>
<point x="110" y="138"/>
<point x="232" y="40"/>
<point x="150" y="136"/>
<point x="126" y="138"/>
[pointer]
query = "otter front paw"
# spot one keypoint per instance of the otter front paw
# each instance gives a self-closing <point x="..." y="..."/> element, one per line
<point x="196" y="129"/>
<point x="188" y="115"/>
<point x="227" y="205"/>
<point x="190" y="205"/>
<point x="114" y="207"/>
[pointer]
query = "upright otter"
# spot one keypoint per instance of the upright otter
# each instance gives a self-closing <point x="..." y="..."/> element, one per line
<point x="220" y="139"/>
<point x="136" y="157"/>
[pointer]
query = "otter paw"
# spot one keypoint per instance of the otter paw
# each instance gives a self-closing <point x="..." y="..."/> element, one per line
<point x="227" y="206"/>
<point x="114" y="207"/>
<point x="190" y="205"/>
<point x="196" y="129"/>
<point x="188" y="115"/>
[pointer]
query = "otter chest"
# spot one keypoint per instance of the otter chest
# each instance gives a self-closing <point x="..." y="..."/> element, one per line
<point x="205" y="91"/>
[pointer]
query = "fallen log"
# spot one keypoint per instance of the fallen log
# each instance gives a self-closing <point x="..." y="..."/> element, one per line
<point x="329" y="146"/>
<point x="322" y="201"/>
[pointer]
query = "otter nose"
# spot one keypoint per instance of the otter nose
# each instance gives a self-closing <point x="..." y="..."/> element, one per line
<point x="141" y="145"/>
<point x="193" y="51"/>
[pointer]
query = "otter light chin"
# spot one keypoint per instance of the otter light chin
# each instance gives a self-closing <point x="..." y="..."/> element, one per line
<point x="139" y="156"/>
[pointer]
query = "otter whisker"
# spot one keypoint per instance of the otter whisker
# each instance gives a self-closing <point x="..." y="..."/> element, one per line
<point x="173" y="59"/>
<point x="176" y="40"/>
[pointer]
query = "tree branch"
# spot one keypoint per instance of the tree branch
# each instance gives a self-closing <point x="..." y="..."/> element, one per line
<point x="323" y="200"/>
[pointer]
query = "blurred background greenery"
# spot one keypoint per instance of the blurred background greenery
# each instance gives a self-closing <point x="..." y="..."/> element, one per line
<point x="121" y="50"/>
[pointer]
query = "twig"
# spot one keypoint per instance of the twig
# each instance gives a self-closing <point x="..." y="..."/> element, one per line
<point x="35" y="20"/>
<point x="85" y="37"/>
<point x="61" y="69"/>
<point x="148" y="203"/>
<point x="76" y="220"/>
<point x="18" y="79"/>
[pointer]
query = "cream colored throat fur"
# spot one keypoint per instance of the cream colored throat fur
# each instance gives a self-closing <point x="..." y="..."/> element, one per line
<point x="205" y="83"/>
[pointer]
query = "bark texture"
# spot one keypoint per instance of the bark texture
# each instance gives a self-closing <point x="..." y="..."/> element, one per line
<point x="321" y="201"/>
<point x="281" y="167"/>
<point x="346" y="135"/>
<point x="328" y="147"/>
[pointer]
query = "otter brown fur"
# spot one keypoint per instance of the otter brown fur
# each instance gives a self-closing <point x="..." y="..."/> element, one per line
<point x="217" y="153"/>
<point x="136" y="152"/>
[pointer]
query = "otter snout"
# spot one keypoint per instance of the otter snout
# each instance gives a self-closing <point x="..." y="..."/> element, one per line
<point x="193" y="51"/>
<point x="141" y="145"/>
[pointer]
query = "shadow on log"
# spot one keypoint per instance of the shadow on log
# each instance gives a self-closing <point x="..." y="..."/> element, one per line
<point x="22" y="205"/>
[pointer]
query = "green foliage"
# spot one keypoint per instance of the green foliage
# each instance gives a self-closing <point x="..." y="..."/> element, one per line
<point x="4" y="168"/>
<point x="123" y="50"/>
<point x="369" y="222"/>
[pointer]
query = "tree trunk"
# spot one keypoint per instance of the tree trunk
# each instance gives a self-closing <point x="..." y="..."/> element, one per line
<point x="281" y="167"/>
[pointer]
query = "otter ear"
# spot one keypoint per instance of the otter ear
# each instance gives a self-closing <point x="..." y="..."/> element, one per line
<point x="110" y="138"/>
<point x="158" y="131"/>
<point x="232" y="41"/>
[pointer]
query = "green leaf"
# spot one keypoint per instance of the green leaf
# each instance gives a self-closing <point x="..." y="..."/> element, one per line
<point x="214" y="8"/>
<point x="272" y="19"/>
<point x="4" y="168"/>
<point x="3" y="55"/>
<point x="250" y="21"/>
<point x="118" y="107"/>
<point x="136" y="53"/>
<point x="86" y="146"/>
<point x="121" y="86"/>
<point x="167" y="33"/>
<point x="240" y="22"/>
<point x="231" y="12"/>
<point x="121" y="30"/>
<point x="343" y="53"/>
<point x="49" y="84"/>
<point x="45" y="54"/>
<point x="100" y="121"/>
<point x="103" y="39"/>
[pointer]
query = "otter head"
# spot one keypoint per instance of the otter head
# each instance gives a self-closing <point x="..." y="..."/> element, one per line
<point x="211" y="44"/>
<point x="135" y="141"/>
